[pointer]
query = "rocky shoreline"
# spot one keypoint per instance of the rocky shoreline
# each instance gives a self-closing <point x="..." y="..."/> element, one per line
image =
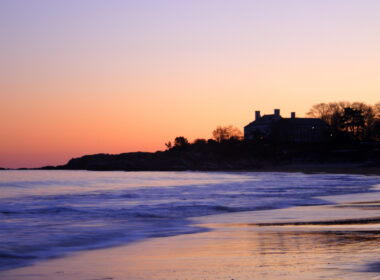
<point x="235" y="157"/>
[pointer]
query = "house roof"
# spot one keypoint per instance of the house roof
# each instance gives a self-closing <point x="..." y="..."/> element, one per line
<point x="305" y="121"/>
<point x="264" y="120"/>
<point x="270" y="119"/>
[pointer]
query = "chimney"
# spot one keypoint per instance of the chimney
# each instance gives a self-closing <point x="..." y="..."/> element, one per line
<point x="277" y="113"/>
<point x="293" y="115"/>
<point x="257" y="115"/>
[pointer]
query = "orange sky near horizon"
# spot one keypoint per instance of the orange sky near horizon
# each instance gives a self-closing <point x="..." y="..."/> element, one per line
<point x="121" y="76"/>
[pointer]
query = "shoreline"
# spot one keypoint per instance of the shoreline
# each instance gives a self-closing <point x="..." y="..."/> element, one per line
<point x="307" y="168"/>
<point x="301" y="242"/>
<point x="331" y="168"/>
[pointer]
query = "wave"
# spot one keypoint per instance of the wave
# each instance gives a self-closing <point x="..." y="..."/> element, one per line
<point x="53" y="214"/>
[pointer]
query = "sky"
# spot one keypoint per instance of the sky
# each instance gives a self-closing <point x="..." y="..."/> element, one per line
<point x="88" y="76"/>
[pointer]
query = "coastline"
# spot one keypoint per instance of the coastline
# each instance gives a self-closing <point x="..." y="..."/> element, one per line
<point x="307" y="242"/>
<point x="239" y="156"/>
<point x="330" y="168"/>
<point x="361" y="168"/>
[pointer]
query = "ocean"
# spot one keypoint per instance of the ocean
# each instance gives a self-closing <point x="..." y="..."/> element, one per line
<point x="46" y="214"/>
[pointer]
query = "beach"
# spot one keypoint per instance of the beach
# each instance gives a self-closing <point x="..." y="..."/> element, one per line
<point x="190" y="140"/>
<point x="369" y="168"/>
<point x="337" y="241"/>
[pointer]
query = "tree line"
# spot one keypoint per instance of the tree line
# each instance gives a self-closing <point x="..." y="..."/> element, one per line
<point x="348" y="121"/>
<point x="220" y="134"/>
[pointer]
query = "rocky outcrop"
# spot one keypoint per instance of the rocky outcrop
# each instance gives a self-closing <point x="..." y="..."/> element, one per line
<point x="231" y="155"/>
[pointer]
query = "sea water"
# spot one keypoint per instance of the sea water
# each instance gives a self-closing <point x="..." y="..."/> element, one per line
<point x="46" y="214"/>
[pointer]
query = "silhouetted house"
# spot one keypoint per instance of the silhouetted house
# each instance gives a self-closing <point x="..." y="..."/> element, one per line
<point x="296" y="130"/>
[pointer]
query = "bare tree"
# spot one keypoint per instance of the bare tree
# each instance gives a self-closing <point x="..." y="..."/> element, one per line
<point x="376" y="109"/>
<point x="222" y="133"/>
<point x="357" y="118"/>
<point x="320" y="110"/>
<point x="328" y="111"/>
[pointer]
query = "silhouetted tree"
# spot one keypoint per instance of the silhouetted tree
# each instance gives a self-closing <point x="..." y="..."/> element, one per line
<point x="356" y="118"/>
<point x="168" y="145"/>
<point x="353" y="121"/>
<point x="222" y="133"/>
<point x="376" y="130"/>
<point x="321" y="111"/>
<point x="368" y="119"/>
<point x="211" y="141"/>
<point x="180" y="142"/>
<point x="328" y="112"/>
<point x="376" y="109"/>
<point x="200" y="141"/>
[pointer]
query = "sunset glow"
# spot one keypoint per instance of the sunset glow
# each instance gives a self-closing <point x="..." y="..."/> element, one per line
<point x="85" y="77"/>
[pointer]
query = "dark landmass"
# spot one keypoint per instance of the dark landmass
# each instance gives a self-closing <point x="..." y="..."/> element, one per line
<point x="237" y="155"/>
<point x="341" y="137"/>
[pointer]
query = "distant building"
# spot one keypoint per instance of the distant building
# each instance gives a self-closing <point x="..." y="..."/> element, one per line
<point x="296" y="130"/>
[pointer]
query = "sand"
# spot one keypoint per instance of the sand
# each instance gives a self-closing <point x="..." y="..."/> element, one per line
<point x="369" y="168"/>
<point x="338" y="241"/>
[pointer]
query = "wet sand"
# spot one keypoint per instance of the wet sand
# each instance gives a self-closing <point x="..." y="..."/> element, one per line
<point x="331" y="168"/>
<point x="339" y="241"/>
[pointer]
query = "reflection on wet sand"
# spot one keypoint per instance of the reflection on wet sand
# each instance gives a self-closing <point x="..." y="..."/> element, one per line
<point x="226" y="253"/>
<point x="339" y="243"/>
